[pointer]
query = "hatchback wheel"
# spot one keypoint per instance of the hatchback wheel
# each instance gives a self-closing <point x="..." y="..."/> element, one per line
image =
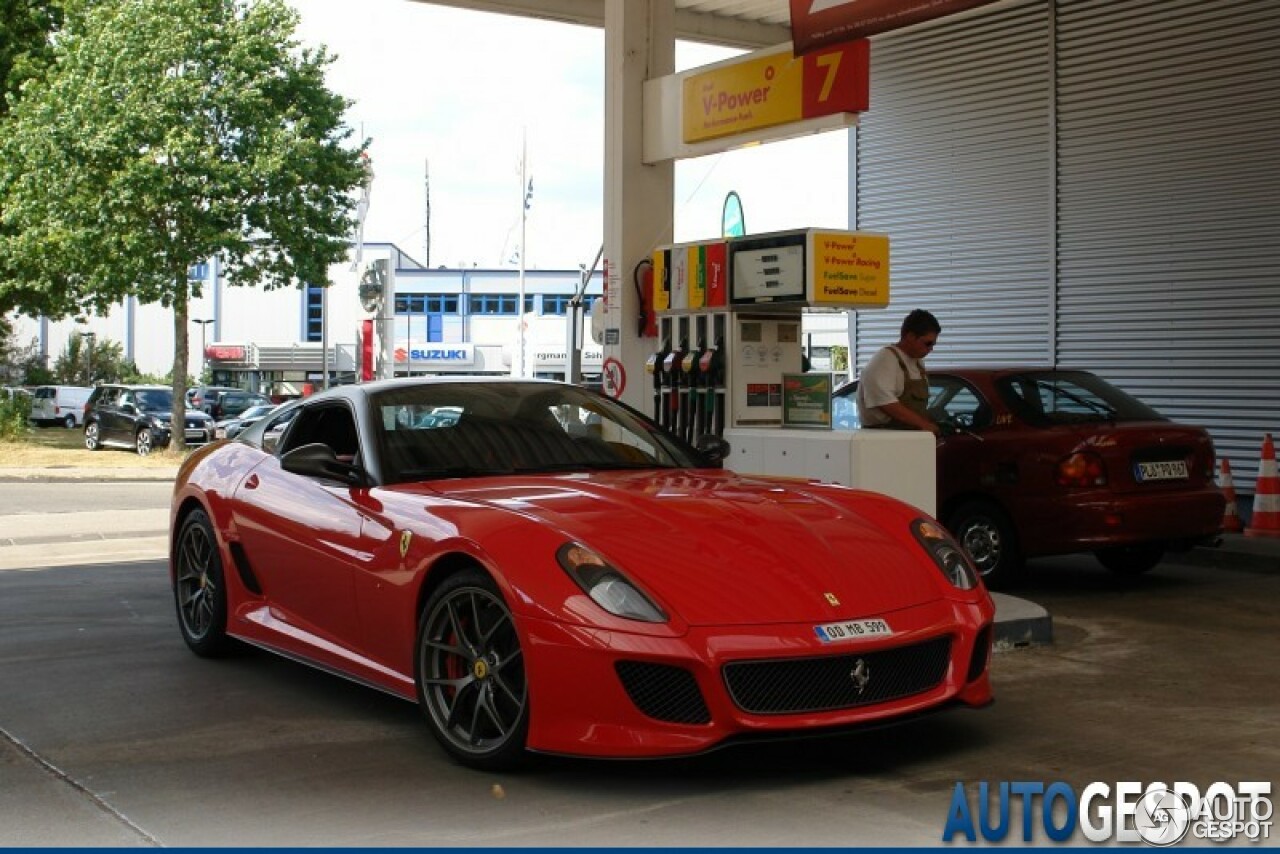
<point x="988" y="536"/>
<point x="198" y="590"/>
<point x="144" y="442"/>
<point x="1131" y="560"/>
<point x="470" y="673"/>
<point x="92" y="436"/>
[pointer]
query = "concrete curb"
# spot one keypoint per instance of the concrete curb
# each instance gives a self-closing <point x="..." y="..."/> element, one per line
<point x="86" y="475"/>
<point x="1020" y="623"/>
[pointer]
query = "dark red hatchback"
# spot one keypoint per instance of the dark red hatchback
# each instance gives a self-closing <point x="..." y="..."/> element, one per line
<point x="1041" y="462"/>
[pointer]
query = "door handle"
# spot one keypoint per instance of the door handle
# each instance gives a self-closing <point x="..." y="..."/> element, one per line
<point x="251" y="482"/>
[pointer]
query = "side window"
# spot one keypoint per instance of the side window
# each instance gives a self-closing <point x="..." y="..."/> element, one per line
<point x="331" y="425"/>
<point x="844" y="412"/>
<point x="124" y="398"/>
<point x="274" y="429"/>
<point x="952" y="401"/>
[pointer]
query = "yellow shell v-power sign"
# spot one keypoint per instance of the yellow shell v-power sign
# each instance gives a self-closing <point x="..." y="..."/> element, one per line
<point x="775" y="89"/>
<point x="850" y="268"/>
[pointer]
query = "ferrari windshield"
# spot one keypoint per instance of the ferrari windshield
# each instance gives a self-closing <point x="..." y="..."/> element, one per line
<point x="462" y="429"/>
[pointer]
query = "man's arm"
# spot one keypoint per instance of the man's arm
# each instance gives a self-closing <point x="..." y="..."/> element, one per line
<point x="903" y="413"/>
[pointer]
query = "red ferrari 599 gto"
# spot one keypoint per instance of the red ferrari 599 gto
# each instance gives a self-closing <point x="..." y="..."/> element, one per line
<point x="543" y="569"/>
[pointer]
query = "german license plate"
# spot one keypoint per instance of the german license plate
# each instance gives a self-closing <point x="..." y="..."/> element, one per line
<point x="1174" y="470"/>
<point x="852" y="630"/>
<point x="195" y="434"/>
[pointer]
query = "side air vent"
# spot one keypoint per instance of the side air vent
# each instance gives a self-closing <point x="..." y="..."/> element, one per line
<point x="247" y="578"/>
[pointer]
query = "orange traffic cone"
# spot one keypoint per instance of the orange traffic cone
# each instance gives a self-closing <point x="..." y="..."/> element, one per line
<point x="1266" y="498"/>
<point x="1231" y="516"/>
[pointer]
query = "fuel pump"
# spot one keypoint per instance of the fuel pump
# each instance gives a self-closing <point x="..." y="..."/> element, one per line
<point x="654" y="366"/>
<point x="689" y="393"/>
<point x="671" y="387"/>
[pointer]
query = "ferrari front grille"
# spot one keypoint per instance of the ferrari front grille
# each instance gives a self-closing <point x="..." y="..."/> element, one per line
<point x="798" y="685"/>
<point x="664" y="692"/>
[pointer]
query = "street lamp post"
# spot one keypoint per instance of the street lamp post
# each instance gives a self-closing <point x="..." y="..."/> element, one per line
<point x="204" y="356"/>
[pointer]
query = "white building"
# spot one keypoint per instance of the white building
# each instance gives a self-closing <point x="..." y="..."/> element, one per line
<point x="446" y="321"/>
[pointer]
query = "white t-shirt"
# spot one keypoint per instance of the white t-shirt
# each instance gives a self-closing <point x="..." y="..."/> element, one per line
<point x="882" y="382"/>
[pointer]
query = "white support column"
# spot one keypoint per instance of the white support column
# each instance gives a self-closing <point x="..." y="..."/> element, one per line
<point x="639" y="40"/>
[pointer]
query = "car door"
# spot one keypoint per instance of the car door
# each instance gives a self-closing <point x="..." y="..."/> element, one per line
<point x="110" y="418"/>
<point x="302" y="535"/>
<point x="966" y="463"/>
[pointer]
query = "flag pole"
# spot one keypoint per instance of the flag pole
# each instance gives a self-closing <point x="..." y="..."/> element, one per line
<point x="524" y="210"/>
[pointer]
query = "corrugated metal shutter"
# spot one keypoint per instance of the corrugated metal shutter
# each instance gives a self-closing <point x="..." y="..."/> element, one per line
<point x="1169" y="209"/>
<point x="953" y="162"/>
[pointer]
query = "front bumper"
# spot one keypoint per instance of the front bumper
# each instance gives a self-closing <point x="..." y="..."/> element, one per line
<point x="161" y="436"/>
<point x="580" y="705"/>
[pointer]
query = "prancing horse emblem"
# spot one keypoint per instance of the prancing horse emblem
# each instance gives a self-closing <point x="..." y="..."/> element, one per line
<point x="831" y="599"/>
<point x="861" y="675"/>
<point x="406" y="537"/>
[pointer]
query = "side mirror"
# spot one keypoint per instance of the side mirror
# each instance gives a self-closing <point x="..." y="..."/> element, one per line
<point x="128" y="409"/>
<point x="713" y="448"/>
<point x="318" y="460"/>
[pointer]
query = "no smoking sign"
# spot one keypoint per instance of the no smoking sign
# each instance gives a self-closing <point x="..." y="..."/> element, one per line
<point x="614" y="377"/>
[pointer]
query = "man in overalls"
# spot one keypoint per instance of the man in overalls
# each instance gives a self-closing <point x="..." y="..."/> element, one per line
<point x="893" y="390"/>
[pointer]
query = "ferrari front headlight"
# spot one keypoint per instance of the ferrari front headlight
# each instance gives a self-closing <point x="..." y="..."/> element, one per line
<point x="607" y="586"/>
<point x="951" y="559"/>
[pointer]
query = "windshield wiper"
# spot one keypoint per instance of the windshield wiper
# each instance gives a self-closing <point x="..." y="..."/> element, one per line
<point x="618" y="465"/>
<point x="451" y="471"/>
<point x="1103" y="409"/>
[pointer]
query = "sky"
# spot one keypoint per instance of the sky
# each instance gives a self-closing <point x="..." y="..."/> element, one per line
<point x="458" y="93"/>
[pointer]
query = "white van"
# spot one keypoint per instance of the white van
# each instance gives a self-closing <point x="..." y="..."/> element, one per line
<point x="59" y="404"/>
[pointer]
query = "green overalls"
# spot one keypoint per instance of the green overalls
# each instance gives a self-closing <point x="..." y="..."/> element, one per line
<point x="915" y="394"/>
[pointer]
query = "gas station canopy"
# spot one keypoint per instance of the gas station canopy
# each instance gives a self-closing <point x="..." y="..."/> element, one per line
<point x="736" y="23"/>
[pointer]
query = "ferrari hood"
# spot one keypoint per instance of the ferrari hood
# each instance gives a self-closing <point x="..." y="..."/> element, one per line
<point x="722" y="549"/>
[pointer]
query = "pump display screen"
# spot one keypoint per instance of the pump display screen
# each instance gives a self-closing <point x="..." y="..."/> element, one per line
<point x="768" y="273"/>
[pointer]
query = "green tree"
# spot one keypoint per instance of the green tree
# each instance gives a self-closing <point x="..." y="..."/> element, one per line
<point x="167" y="133"/>
<point x="26" y="48"/>
<point x="88" y="360"/>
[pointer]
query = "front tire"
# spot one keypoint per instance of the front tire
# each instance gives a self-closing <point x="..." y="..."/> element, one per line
<point x="1131" y="560"/>
<point x="987" y="534"/>
<point x="470" y="673"/>
<point x="199" y="591"/>
<point x="93" y="436"/>
<point x="144" y="442"/>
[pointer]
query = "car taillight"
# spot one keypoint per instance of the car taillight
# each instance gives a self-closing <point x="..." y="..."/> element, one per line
<point x="1082" y="469"/>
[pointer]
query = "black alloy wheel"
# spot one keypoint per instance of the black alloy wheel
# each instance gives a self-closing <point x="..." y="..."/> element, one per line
<point x="1131" y="560"/>
<point x="93" y="436"/>
<point x="987" y="534"/>
<point x="198" y="590"/>
<point x="470" y="673"/>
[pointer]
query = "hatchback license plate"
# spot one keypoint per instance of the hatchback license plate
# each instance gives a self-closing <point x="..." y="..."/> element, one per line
<point x="1174" y="470"/>
<point x="852" y="630"/>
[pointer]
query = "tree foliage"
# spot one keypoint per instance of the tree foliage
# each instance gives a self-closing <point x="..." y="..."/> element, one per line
<point x="88" y="360"/>
<point x="162" y="135"/>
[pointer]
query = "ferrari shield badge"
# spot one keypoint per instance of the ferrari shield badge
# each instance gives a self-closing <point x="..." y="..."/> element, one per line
<point x="406" y="537"/>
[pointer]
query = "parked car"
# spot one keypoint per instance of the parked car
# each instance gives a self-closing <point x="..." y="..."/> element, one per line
<point x="203" y="397"/>
<point x="59" y="405"/>
<point x="229" y="428"/>
<point x="614" y="593"/>
<point x="138" y="417"/>
<point x="229" y="404"/>
<point x="1042" y="462"/>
